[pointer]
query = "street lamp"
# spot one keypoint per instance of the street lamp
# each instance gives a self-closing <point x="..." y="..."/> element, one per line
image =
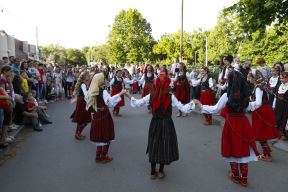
<point x="181" y="33"/>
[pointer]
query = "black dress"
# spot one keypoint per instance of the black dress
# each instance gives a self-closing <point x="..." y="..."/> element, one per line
<point x="162" y="139"/>
<point x="281" y="110"/>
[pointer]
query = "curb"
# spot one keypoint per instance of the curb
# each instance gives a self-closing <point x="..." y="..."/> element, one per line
<point x="13" y="133"/>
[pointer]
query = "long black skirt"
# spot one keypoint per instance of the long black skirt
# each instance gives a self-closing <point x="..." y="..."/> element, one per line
<point x="162" y="141"/>
<point x="281" y="111"/>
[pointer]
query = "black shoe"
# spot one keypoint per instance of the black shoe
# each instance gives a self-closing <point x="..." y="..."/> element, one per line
<point x="4" y="145"/>
<point x="38" y="129"/>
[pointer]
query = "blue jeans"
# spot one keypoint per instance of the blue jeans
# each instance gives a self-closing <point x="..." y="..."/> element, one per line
<point x="39" y="89"/>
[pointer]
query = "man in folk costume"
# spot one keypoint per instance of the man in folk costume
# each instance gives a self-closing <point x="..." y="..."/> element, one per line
<point x="281" y="105"/>
<point x="102" y="126"/>
<point x="147" y="82"/>
<point x="263" y="116"/>
<point x="238" y="138"/>
<point x="117" y="84"/>
<point x="80" y="115"/>
<point x="182" y="87"/>
<point x="162" y="139"/>
<point x="223" y="75"/>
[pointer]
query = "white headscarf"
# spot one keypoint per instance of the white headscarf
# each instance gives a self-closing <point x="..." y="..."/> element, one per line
<point x="97" y="82"/>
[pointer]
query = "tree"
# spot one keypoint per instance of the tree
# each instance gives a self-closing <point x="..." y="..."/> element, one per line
<point x="168" y="48"/>
<point x="130" y="39"/>
<point x="258" y="14"/>
<point x="75" y="57"/>
<point x="54" y="53"/>
<point x="59" y="55"/>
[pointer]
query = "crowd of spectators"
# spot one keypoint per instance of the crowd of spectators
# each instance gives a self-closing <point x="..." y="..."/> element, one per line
<point x="26" y="87"/>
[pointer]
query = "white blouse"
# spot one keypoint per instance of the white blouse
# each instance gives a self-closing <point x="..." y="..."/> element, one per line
<point x="273" y="81"/>
<point x="175" y="103"/>
<point x="253" y="105"/>
<point x="85" y="91"/>
<point x="282" y="90"/>
<point x="111" y="101"/>
<point x="142" y="80"/>
<point x="128" y="82"/>
<point x="214" y="109"/>
<point x="196" y="82"/>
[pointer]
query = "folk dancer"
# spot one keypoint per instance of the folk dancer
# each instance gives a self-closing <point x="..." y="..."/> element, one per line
<point x="80" y="115"/>
<point x="102" y="126"/>
<point x="162" y="139"/>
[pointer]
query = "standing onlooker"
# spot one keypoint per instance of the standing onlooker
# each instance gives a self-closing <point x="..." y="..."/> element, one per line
<point x="24" y="88"/>
<point x="265" y="70"/>
<point x="281" y="105"/>
<point x="246" y="68"/>
<point x="69" y="82"/>
<point x="279" y="66"/>
<point x="274" y="83"/>
<point x="58" y="82"/>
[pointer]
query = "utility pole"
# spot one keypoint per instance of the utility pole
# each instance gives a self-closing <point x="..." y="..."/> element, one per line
<point x="181" y="33"/>
<point x="206" y="51"/>
<point x="37" y="50"/>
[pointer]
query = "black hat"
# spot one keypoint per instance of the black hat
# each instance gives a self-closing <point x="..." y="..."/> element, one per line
<point x="228" y="58"/>
<point x="118" y="71"/>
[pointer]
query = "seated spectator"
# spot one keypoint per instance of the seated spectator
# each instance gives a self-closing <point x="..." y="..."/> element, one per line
<point x="25" y="116"/>
<point x="40" y="109"/>
<point x="7" y="93"/>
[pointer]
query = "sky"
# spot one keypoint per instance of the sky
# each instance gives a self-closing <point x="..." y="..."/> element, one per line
<point x="78" y="23"/>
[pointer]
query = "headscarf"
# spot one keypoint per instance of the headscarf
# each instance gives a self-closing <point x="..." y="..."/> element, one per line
<point x="161" y="95"/>
<point x="80" y="80"/>
<point x="237" y="92"/>
<point x="94" y="89"/>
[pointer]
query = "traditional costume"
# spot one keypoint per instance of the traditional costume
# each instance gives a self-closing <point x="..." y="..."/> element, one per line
<point x="281" y="105"/>
<point x="80" y="115"/>
<point x="162" y="139"/>
<point x="117" y="84"/>
<point x="147" y="82"/>
<point x="263" y="117"/>
<point x="182" y="90"/>
<point x="206" y="94"/>
<point x="274" y="83"/>
<point x="238" y="138"/>
<point x="102" y="126"/>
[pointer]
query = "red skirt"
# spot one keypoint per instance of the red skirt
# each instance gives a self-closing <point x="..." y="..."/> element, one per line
<point x="206" y="97"/>
<point x="148" y="88"/>
<point x="115" y="91"/>
<point x="134" y="87"/>
<point x="264" y="123"/>
<point x="237" y="137"/>
<point x="80" y="115"/>
<point x="182" y="93"/>
<point x="102" y="127"/>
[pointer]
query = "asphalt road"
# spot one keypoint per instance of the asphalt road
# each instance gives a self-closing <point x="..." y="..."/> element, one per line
<point x="53" y="160"/>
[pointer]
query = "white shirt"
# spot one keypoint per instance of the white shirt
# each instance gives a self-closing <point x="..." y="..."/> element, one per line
<point x="145" y="101"/>
<point x="273" y="81"/>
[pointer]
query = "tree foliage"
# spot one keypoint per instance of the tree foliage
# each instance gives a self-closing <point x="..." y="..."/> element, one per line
<point x="60" y="55"/>
<point x="130" y="39"/>
<point x="258" y="14"/>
